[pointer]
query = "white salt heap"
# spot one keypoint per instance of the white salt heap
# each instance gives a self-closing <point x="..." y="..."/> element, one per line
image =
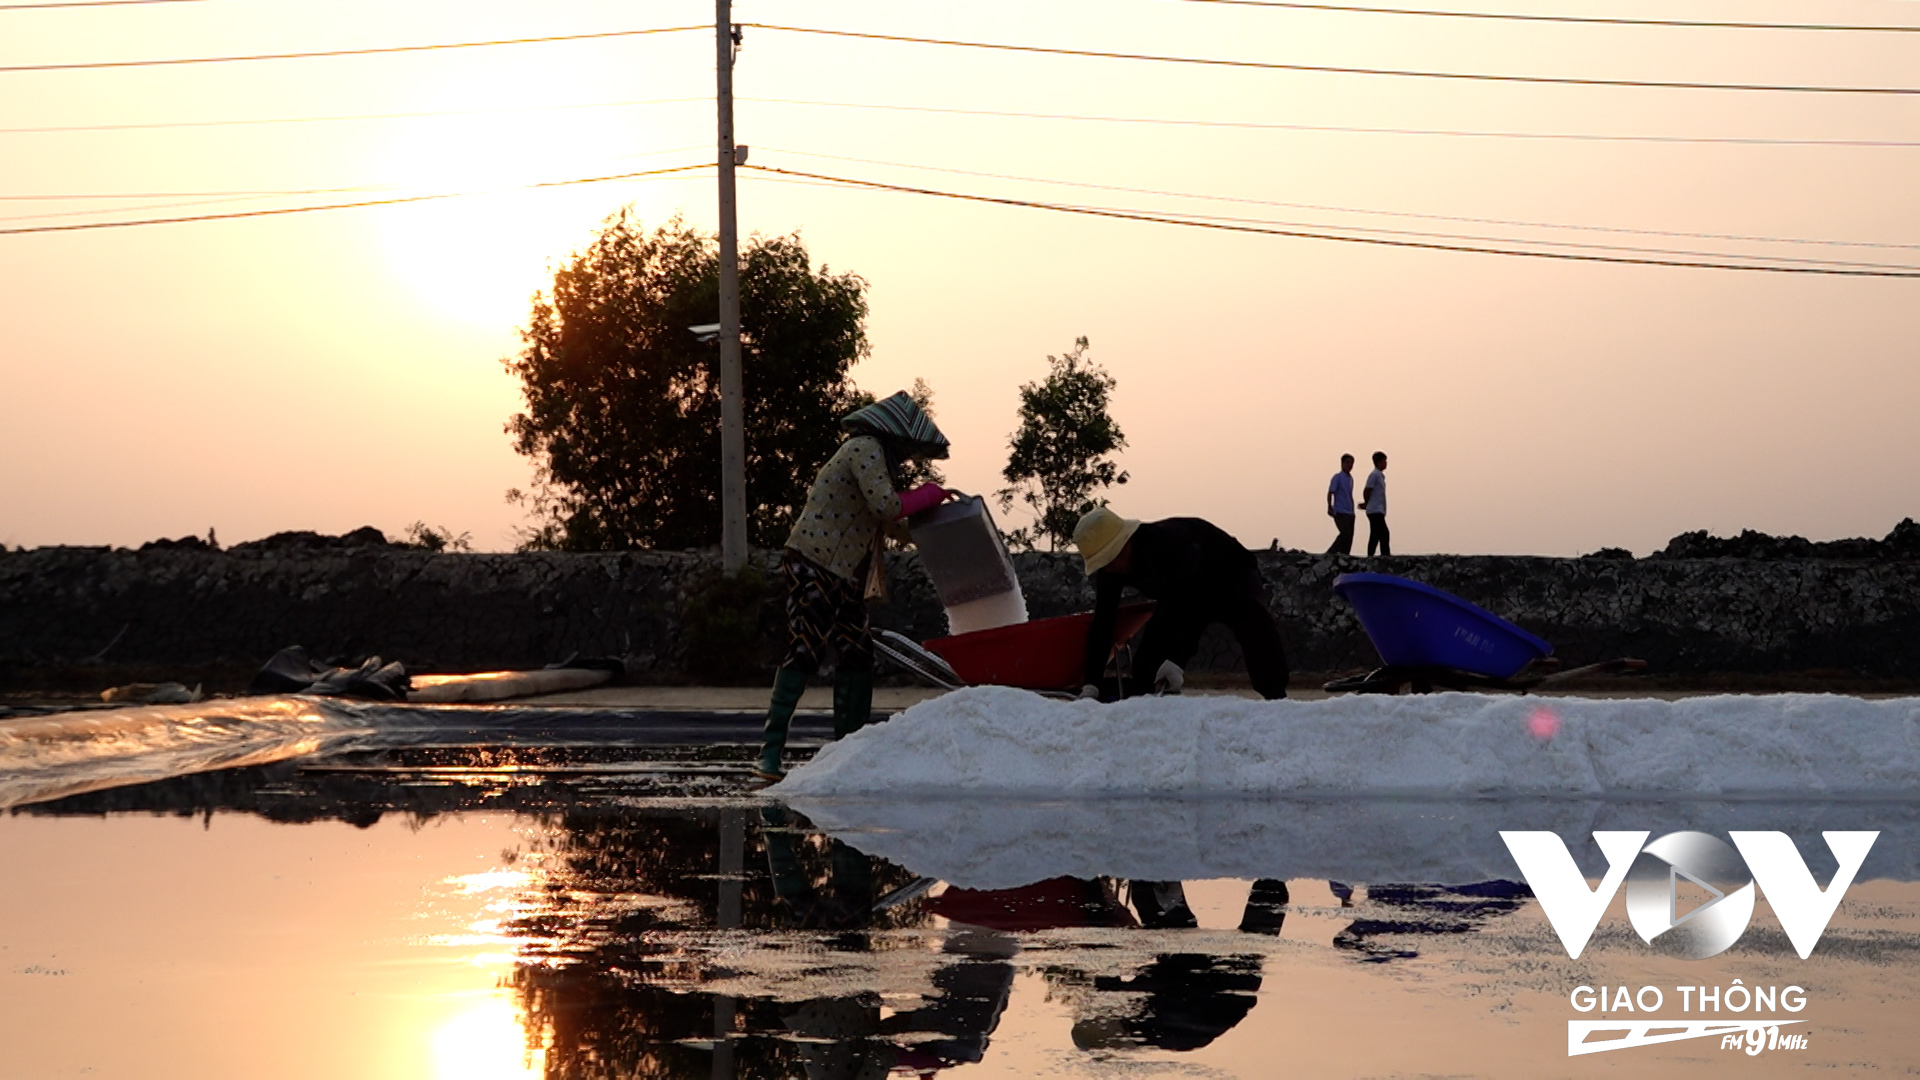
<point x="1004" y="742"/>
<point x="996" y="843"/>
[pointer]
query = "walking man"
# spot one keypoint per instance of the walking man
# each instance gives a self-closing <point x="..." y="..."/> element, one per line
<point x="1340" y="507"/>
<point x="1374" y="498"/>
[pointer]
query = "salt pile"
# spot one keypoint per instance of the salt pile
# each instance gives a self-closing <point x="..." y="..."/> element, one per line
<point x="981" y="843"/>
<point x="1003" y="742"/>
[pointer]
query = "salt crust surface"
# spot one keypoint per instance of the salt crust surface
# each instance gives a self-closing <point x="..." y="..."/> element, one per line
<point x="1005" y="742"/>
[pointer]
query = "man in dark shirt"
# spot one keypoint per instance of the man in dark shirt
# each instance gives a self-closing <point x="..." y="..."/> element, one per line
<point x="1198" y="575"/>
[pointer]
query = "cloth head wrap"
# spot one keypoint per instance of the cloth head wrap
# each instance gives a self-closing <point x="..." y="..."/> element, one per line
<point x="899" y="420"/>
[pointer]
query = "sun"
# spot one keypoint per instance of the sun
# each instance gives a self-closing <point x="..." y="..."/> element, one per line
<point x="479" y="256"/>
<point x="486" y="1042"/>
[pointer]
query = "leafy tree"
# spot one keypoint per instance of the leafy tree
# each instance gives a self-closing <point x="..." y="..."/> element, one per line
<point x="1060" y="454"/>
<point x="622" y="411"/>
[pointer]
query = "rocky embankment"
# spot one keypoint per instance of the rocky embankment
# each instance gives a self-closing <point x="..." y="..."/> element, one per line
<point x="189" y="606"/>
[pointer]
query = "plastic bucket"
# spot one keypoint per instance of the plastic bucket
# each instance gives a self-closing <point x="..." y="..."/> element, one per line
<point x="962" y="552"/>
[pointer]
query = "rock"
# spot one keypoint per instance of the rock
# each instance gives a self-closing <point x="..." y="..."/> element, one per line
<point x="186" y="605"/>
<point x="168" y="693"/>
<point x="303" y="540"/>
<point x="1902" y="543"/>
<point x="193" y="543"/>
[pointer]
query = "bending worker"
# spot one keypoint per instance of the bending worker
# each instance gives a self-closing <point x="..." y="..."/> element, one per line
<point x="1198" y="575"/>
<point x="834" y="548"/>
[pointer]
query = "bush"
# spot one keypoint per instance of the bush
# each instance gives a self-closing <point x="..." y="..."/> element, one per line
<point x="723" y="627"/>
<point x="435" y="538"/>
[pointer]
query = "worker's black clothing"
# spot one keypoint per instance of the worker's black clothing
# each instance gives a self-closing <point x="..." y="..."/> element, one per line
<point x="1198" y="575"/>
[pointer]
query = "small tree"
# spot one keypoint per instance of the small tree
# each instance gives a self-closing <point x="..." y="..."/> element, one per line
<point x="1060" y="453"/>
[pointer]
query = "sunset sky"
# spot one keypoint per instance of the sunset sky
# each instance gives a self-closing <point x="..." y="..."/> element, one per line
<point x="333" y="369"/>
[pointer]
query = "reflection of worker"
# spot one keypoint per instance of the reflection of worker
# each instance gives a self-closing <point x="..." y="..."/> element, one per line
<point x="846" y="902"/>
<point x="832" y="551"/>
<point x="1198" y="575"/>
<point x="848" y="1036"/>
<point x="1190" y="999"/>
<point x="1408" y="910"/>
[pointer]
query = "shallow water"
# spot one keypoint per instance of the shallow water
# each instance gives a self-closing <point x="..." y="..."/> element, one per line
<point x="506" y="899"/>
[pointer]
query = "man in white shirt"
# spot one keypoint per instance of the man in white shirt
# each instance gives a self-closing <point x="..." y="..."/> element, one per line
<point x="1340" y="506"/>
<point x="1375" y="502"/>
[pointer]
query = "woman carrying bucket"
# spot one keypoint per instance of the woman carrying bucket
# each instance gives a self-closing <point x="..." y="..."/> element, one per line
<point x="832" y="563"/>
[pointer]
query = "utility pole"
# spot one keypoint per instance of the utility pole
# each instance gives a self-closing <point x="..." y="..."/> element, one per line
<point x="733" y="442"/>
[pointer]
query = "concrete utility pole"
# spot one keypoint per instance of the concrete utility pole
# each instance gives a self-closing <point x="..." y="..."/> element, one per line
<point x="733" y="441"/>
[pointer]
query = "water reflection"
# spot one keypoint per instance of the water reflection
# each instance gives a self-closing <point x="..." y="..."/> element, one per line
<point x="1423" y="909"/>
<point x="655" y="937"/>
<point x="487" y="1042"/>
<point x="656" y="925"/>
<point x="1186" y="1000"/>
<point x="653" y="940"/>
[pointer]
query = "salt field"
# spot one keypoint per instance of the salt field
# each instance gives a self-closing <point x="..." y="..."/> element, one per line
<point x="295" y="888"/>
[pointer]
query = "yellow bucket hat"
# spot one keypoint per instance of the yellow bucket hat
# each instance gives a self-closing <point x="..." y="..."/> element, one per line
<point x="1100" y="534"/>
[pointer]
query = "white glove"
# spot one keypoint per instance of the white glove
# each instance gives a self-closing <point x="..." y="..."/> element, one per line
<point x="1169" y="679"/>
<point x="1089" y="692"/>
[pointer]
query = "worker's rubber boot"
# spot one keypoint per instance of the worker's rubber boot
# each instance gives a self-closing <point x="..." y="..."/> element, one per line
<point x="852" y="701"/>
<point x="788" y="685"/>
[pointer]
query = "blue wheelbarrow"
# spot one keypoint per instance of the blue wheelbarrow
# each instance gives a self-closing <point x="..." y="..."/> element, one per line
<point x="1431" y="639"/>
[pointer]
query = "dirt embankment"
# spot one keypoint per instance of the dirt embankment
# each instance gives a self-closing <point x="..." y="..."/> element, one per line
<point x="82" y="618"/>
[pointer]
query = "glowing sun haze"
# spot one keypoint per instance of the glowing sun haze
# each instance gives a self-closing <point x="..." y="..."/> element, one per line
<point x="330" y="370"/>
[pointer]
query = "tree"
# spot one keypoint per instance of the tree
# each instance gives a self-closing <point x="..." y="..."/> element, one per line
<point x="1060" y="453"/>
<point x="622" y="411"/>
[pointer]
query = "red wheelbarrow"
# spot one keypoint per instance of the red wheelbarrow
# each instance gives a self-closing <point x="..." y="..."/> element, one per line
<point x="1047" y="655"/>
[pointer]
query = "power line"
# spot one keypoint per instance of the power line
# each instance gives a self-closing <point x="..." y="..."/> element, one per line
<point x="175" y="61"/>
<point x="204" y="198"/>
<point x="261" y="194"/>
<point x="1183" y="217"/>
<point x="1340" y="129"/>
<point x="1244" y="125"/>
<point x="267" y="193"/>
<point x="1641" y="249"/>
<point x="49" y="215"/>
<point x="1350" y="209"/>
<point x="1703" y="262"/>
<point x="91" y="4"/>
<point x="427" y="113"/>
<point x="1411" y="73"/>
<point x="349" y="205"/>
<point x="1582" y="19"/>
